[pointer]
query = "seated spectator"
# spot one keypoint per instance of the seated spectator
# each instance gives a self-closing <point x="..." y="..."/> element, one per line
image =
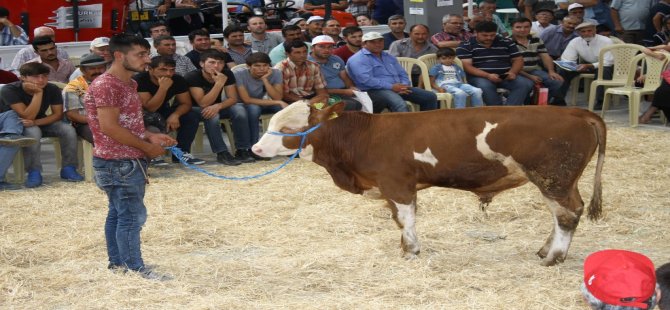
<point x="332" y="29"/>
<point x="338" y="84"/>
<point x="290" y="33"/>
<point x="314" y="27"/>
<point x="577" y="10"/>
<point x="237" y="50"/>
<point x="201" y="42"/>
<point x="302" y="78"/>
<point x="30" y="98"/>
<point x="261" y="88"/>
<point x="493" y="62"/>
<point x="448" y="77"/>
<point x="384" y="79"/>
<point x="10" y="34"/>
<point x="11" y="139"/>
<point x="535" y="57"/>
<point x="587" y="48"/>
<point x="261" y="40"/>
<point x="352" y="35"/>
<point x="557" y="37"/>
<point x="27" y="53"/>
<point x="167" y="46"/>
<point x="59" y="69"/>
<point x="100" y="47"/>
<point x="213" y="90"/>
<point x="158" y="88"/>
<point x="452" y="32"/>
<point x="415" y="46"/>
<point x="91" y="66"/>
<point x="663" y="281"/>
<point x="532" y="7"/>
<point x="467" y="17"/>
<point x="660" y="101"/>
<point x="543" y="19"/>
<point x="397" y="25"/>
<point x="488" y="8"/>
<point x="159" y="29"/>
<point x="363" y="19"/>
<point x="618" y="279"/>
<point x="298" y="21"/>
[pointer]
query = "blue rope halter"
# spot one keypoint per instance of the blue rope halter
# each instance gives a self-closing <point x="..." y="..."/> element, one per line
<point x="303" y="136"/>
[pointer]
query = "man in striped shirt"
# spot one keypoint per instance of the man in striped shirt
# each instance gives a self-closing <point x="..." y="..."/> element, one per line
<point x="533" y="51"/>
<point x="492" y="62"/>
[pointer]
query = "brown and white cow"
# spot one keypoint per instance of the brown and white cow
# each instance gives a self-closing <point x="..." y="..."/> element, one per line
<point x="482" y="150"/>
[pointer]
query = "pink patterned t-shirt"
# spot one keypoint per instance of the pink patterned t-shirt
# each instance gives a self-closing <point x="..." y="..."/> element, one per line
<point x="109" y="91"/>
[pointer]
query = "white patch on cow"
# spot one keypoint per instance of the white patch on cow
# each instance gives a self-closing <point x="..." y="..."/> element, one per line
<point x="307" y="153"/>
<point x="406" y="217"/>
<point x="513" y="167"/>
<point x="295" y="116"/>
<point x="562" y="238"/>
<point x="426" y="157"/>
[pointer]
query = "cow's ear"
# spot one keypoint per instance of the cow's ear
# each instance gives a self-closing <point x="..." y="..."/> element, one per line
<point x="337" y="108"/>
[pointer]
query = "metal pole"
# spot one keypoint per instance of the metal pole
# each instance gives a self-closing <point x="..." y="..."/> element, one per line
<point x="470" y="8"/>
<point x="224" y="14"/>
<point x="75" y="19"/>
<point x="329" y="9"/>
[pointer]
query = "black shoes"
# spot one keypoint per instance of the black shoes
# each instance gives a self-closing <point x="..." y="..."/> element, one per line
<point x="227" y="159"/>
<point x="244" y="156"/>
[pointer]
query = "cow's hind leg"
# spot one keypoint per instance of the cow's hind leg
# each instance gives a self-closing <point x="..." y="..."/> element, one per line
<point x="404" y="215"/>
<point x="566" y="214"/>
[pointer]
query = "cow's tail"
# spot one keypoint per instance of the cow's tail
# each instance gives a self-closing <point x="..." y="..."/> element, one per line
<point x="600" y="130"/>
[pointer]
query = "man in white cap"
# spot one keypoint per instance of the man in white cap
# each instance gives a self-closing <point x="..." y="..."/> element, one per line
<point x="587" y="48"/>
<point x="314" y="27"/>
<point x="577" y="10"/>
<point x="385" y="80"/>
<point x="338" y="84"/>
<point x="99" y="46"/>
<point x="27" y="53"/>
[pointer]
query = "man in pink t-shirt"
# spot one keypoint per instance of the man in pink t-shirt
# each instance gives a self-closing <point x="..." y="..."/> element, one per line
<point x="122" y="147"/>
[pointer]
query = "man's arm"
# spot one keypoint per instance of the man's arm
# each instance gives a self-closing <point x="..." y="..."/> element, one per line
<point x="76" y="117"/>
<point x="109" y="125"/>
<point x="55" y="116"/>
<point x="548" y="63"/>
<point x="340" y="5"/>
<point x="472" y="70"/>
<point x="615" y="19"/>
<point x="30" y="111"/>
<point x="204" y="100"/>
<point x="445" y="44"/>
<point x="348" y="91"/>
<point x="321" y="96"/>
<point x="246" y="98"/>
<point x="152" y="103"/>
<point x="517" y="65"/>
<point x="362" y="71"/>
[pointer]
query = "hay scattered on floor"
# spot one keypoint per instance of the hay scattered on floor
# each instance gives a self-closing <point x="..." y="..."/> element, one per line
<point x="293" y="240"/>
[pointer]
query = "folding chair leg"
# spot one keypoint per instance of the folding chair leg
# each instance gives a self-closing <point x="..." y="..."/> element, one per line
<point x="229" y="133"/>
<point x="87" y="154"/>
<point x="198" y="141"/>
<point x="634" y="110"/>
<point x="574" y="86"/>
<point x="19" y="167"/>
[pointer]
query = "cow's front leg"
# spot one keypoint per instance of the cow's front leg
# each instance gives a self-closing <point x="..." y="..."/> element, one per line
<point x="404" y="215"/>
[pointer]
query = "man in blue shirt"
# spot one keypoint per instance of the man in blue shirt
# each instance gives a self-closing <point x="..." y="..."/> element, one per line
<point x="492" y="62"/>
<point x="338" y="84"/>
<point x="386" y="82"/>
<point x="10" y="34"/>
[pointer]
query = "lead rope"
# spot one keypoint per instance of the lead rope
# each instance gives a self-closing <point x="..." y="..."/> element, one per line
<point x="303" y="137"/>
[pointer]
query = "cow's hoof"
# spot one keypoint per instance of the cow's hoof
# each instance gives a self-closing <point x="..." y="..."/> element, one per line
<point x="542" y="253"/>
<point x="411" y="256"/>
<point x="554" y="259"/>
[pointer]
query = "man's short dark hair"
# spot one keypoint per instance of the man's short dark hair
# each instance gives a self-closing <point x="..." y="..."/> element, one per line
<point x="258" y="57"/>
<point x="395" y="17"/>
<point x="33" y="68"/>
<point x="288" y="28"/>
<point x="663" y="280"/>
<point x="158" y="24"/>
<point x="4" y="12"/>
<point x="521" y="20"/>
<point x="232" y="29"/>
<point x="157" y="41"/>
<point x="197" y="32"/>
<point x="156" y="61"/>
<point x="124" y="42"/>
<point x="351" y="30"/>
<point x="486" y="26"/>
<point x="212" y="53"/>
<point x="419" y="25"/>
<point x="445" y="52"/>
<point x="602" y="28"/>
<point x="290" y="46"/>
<point x="42" y="40"/>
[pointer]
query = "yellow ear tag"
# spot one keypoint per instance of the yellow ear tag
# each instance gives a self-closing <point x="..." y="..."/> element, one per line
<point x="318" y="105"/>
<point x="334" y="115"/>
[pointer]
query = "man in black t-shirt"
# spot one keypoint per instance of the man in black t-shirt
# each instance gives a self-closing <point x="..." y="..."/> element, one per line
<point x="213" y="90"/>
<point x="200" y="41"/>
<point x="167" y="104"/>
<point x="30" y="98"/>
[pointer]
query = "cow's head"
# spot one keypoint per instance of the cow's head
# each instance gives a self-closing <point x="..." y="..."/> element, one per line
<point x="297" y="117"/>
